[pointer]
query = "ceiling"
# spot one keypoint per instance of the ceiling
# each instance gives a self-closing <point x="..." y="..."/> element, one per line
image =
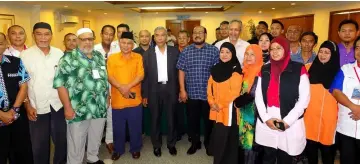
<point x="96" y="8"/>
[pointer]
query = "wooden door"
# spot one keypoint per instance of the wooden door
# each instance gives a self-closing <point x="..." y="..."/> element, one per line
<point x="174" y="26"/>
<point x="189" y="26"/>
<point x="336" y="18"/>
<point x="304" y="21"/>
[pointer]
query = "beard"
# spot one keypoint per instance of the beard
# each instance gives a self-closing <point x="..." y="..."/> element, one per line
<point x="87" y="50"/>
<point x="199" y="42"/>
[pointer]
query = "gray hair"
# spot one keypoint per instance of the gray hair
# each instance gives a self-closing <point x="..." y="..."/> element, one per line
<point x="237" y="21"/>
<point x="160" y="28"/>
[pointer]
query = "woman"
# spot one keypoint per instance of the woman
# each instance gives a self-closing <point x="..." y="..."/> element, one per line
<point x="282" y="95"/>
<point x="252" y="65"/>
<point x="224" y="86"/>
<point x="264" y="43"/>
<point x="345" y="88"/>
<point x="321" y="115"/>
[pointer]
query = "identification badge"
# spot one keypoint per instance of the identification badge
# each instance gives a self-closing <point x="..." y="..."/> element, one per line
<point x="95" y="74"/>
<point x="356" y="93"/>
<point x="103" y="67"/>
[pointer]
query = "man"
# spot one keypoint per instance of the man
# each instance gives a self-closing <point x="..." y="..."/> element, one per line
<point x="348" y="31"/>
<point x="69" y="42"/>
<point x="239" y="44"/>
<point x="171" y="39"/>
<point x="161" y="89"/>
<point x="14" y="128"/>
<point x="218" y="35"/>
<point x="144" y="37"/>
<point x="293" y="36"/>
<point x="194" y="70"/>
<point x="120" y="29"/>
<point x="81" y="80"/>
<point x="107" y="36"/>
<point x="260" y="28"/>
<point x="276" y="28"/>
<point x="17" y="38"/>
<point x="308" y="41"/>
<point x="224" y="30"/>
<point x="126" y="71"/>
<point x="44" y="108"/>
<point x="183" y="40"/>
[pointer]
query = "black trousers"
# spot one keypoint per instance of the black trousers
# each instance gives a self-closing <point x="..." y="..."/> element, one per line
<point x="327" y="152"/>
<point x="15" y="144"/>
<point x="180" y="118"/>
<point x="162" y="103"/>
<point x="197" y="109"/>
<point x="51" y="124"/>
<point x="272" y="156"/>
<point x="349" y="149"/>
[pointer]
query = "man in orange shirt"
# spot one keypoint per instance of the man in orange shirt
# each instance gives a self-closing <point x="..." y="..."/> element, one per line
<point x="126" y="71"/>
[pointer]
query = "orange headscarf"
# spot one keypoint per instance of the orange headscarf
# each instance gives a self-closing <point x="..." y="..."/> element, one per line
<point x="252" y="70"/>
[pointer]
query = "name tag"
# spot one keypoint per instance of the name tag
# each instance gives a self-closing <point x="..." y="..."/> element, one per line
<point x="103" y="67"/>
<point x="356" y="93"/>
<point x="95" y="74"/>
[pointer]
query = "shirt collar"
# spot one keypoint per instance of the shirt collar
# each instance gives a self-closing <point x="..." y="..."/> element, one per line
<point x="5" y="59"/>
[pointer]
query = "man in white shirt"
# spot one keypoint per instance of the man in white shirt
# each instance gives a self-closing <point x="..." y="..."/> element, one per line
<point x="235" y="28"/>
<point x="17" y="38"/>
<point x="171" y="39"/>
<point x="44" y="108"/>
<point x="106" y="49"/>
<point x="120" y="29"/>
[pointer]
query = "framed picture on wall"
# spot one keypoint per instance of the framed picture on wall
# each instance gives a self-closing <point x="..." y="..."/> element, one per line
<point x="86" y="24"/>
<point x="5" y="22"/>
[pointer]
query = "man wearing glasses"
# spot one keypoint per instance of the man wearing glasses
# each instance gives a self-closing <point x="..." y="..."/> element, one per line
<point x="81" y="80"/>
<point x="194" y="66"/>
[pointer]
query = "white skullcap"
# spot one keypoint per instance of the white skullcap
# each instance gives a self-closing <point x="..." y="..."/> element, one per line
<point x="83" y="30"/>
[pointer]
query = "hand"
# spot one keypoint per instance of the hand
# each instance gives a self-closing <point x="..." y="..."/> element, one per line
<point x="183" y="96"/>
<point x="7" y="117"/>
<point x="69" y="113"/>
<point x="215" y="107"/>
<point x="355" y="112"/>
<point x="124" y="90"/>
<point x="108" y="102"/>
<point x="110" y="147"/>
<point x="270" y="123"/>
<point x="31" y="113"/>
<point x="145" y="102"/>
<point x="286" y="126"/>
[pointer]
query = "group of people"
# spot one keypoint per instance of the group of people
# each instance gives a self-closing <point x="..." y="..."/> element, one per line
<point x="268" y="100"/>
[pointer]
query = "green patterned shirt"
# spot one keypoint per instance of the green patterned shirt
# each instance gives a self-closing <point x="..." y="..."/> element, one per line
<point x="88" y="92"/>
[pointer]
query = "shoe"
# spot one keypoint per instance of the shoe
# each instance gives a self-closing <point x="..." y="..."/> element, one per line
<point x="110" y="148"/>
<point x="157" y="152"/>
<point x="115" y="156"/>
<point x="193" y="148"/>
<point x="172" y="151"/>
<point x="97" y="162"/>
<point x="136" y="155"/>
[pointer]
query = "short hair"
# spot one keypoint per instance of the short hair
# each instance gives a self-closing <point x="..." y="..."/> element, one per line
<point x="159" y="28"/>
<point x="68" y="35"/>
<point x="276" y="21"/>
<point x="224" y="22"/>
<point x="8" y="31"/>
<point x="3" y="35"/>
<point x="349" y="21"/>
<point x="217" y="29"/>
<point x="205" y="31"/>
<point x="123" y="25"/>
<point x="109" y="26"/>
<point x="236" y="20"/>
<point x="309" y="33"/>
<point x="356" y="40"/>
<point x="264" y="23"/>
<point x="185" y="32"/>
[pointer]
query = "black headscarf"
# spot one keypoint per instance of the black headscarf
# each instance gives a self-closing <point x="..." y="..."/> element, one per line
<point x="223" y="71"/>
<point x="325" y="73"/>
<point x="266" y="54"/>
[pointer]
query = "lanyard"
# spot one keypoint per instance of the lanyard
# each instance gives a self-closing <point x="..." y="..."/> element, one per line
<point x="357" y="74"/>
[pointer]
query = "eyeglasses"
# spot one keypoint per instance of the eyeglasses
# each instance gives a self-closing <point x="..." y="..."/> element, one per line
<point x="87" y="39"/>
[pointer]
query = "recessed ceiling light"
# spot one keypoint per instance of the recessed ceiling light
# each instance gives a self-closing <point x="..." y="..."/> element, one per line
<point x="206" y="12"/>
<point x="105" y="13"/>
<point x="157" y="12"/>
<point x="260" y="12"/>
<point x="89" y="10"/>
<point x="273" y="8"/>
<point x="66" y="6"/>
<point x="292" y="4"/>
